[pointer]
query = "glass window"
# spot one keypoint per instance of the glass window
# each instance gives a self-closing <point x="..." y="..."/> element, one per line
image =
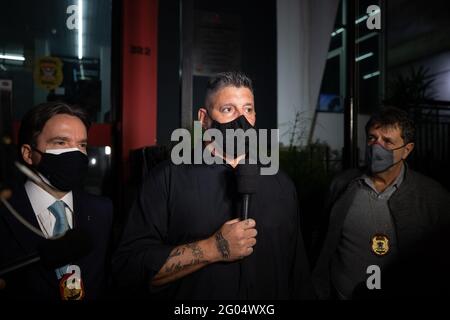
<point x="57" y="50"/>
<point x="368" y="63"/>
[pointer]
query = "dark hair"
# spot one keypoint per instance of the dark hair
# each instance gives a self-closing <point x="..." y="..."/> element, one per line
<point x="394" y="117"/>
<point x="35" y="119"/>
<point x="226" y="79"/>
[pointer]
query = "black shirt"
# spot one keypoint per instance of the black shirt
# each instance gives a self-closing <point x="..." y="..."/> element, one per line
<point x="179" y="204"/>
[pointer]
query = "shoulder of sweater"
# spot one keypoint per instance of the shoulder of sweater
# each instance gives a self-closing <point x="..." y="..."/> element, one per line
<point x="425" y="183"/>
<point x="343" y="179"/>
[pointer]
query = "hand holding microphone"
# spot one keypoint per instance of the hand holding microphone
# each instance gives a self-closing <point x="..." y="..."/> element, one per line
<point x="235" y="239"/>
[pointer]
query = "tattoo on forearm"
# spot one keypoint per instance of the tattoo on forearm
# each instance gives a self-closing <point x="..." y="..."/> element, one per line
<point x="175" y="267"/>
<point x="222" y="245"/>
<point x="176" y="252"/>
<point x="196" y="250"/>
<point x="197" y="258"/>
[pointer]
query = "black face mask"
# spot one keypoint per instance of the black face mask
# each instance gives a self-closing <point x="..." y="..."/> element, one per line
<point x="65" y="171"/>
<point x="238" y="123"/>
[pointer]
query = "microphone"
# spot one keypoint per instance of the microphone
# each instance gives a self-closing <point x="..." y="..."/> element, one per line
<point x="54" y="253"/>
<point x="247" y="183"/>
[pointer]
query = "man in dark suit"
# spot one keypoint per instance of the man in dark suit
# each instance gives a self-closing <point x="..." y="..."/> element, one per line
<point x="52" y="142"/>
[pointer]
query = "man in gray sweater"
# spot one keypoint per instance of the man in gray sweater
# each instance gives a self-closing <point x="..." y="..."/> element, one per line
<point x="378" y="216"/>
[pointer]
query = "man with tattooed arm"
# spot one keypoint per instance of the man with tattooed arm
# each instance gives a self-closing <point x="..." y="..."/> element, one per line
<point x="184" y="238"/>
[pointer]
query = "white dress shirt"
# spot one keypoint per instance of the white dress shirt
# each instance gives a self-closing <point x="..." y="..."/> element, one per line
<point x="41" y="200"/>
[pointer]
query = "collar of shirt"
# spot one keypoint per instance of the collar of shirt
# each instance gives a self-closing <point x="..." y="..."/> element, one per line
<point x="40" y="201"/>
<point x="387" y="193"/>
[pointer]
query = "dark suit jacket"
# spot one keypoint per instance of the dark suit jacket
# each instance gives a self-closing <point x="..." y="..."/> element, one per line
<point x="92" y="214"/>
<point x="420" y="208"/>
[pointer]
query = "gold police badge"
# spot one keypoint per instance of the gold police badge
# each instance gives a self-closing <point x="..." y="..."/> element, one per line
<point x="71" y="287"/>
<point x="380" y="244"/>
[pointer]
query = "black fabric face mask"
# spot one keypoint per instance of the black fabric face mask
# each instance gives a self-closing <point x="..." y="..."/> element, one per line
<point x="65" y="171"/>
<point x="238" y="123"/>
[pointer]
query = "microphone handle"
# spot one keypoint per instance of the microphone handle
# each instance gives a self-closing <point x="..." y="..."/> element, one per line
<point x="245" y="205"/>
<point x="243" y="281"/>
